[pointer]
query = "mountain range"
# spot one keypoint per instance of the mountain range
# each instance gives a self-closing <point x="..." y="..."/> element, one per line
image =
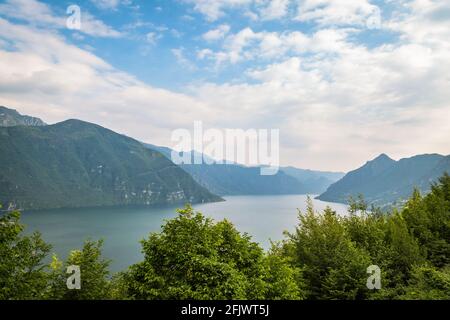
<point x="236" y="179"/>
<point x="385" y="182"/>
<point x="11" y="118"/>
<point x="79" y="164"/>
<point x="315" y="182"/>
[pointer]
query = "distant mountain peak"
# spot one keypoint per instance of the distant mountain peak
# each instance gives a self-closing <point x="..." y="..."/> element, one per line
<point x="380" y="162"/>
<point x="12" y="118"/>
<point x="384" y="181"/>
<point x="383" y="157"/>
<point x="76" y="122"/>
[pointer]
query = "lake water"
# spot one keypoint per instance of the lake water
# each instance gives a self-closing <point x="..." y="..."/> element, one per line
<point x="263" y="217"/>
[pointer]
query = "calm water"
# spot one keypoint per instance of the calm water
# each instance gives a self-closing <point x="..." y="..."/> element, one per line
<point x="263" y="217"/>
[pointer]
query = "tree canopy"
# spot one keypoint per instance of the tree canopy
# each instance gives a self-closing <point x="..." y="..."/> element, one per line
<point x="194" y="257"/>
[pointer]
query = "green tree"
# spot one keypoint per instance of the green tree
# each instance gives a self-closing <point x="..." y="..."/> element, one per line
<point x="402" y="255"/>
<point x="195" y="258"/>
<point x="95" y="276"/>
<point x="333" y="266"/>
<point x="283" y="280"/>
<point x="22" y="270"/>
<point x="428" y="219"/>
<point x="428" y="283"/>
<point x="368" y="231"/>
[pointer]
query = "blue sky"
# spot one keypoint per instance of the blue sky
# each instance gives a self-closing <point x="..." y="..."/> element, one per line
<point x="343" y="80"/>
<point x="161" y="39"/>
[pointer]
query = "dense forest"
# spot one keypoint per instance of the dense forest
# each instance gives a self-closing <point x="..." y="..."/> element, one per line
<point x="194" y="257"/>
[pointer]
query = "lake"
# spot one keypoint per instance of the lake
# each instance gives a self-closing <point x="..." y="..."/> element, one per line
<point x="263" y="217"/>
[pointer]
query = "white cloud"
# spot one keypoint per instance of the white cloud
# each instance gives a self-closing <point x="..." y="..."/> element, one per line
<point x="249" y="45"/>
<point x="217" y="34"/>
<point x="175" y="33"/>
<point x="338" y="112"/>
<point x="40" y="14"/>
<point x="323" y="12"/>
<point x="182" y="60"/>
<point x="213" y="10"/>
<point x="331" y="12"/>
<point x="94" y="27"/>
<point x="46" y="77"/>
<point x="253" y="9"/>
<point x="152" y="37"/>
<point x="336" y="102"/>
<point x="108" y="4"/>
<point x="32" y="11"/>
<point x="273" y="9"/>
<point x="426" y="23"/>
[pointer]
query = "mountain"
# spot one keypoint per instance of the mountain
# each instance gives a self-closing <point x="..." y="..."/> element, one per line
<point x="315" y="182"/>
<point x="79" y="164"/>
<point x="384" y="181"/>
<point x="11" y="118"/>
<point x="235" y="179"/>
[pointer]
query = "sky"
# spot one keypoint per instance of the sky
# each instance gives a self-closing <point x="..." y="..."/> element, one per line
<point x="343" y="81"/>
